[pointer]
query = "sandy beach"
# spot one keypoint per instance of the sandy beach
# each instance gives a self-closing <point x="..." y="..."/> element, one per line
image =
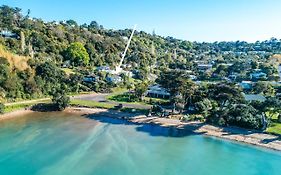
<point x="230" y="133"/>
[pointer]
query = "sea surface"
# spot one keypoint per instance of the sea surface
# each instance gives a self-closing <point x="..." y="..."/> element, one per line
<point x="68" y="144"/>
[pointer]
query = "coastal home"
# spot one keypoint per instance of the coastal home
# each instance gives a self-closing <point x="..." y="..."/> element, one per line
<point x="232" y="77"/>
<point x="8" y="34"/>
<point x="246" y="85"/>
<point x="254" y="97"/>
<point x="90" y="78"/>
<point x="204" y="67"/>
<point x="156" y="91"/>
<point x="193" y="77"/>
<point x="103" y="68"/>
<point x="258" y="76"/>
<point x="115" y="79"/>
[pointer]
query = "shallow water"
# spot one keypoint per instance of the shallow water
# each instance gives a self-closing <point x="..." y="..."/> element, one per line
<point x="64" y="144"/>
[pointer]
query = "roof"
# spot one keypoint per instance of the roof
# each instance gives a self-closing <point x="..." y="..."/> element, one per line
<point x="157" y="89"/>
<point x="254" y="97"/>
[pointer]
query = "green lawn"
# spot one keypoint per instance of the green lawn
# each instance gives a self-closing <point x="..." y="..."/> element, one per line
<point x="94" y="104"/>
<point x="91" y="104"/>
<point x="124" y="98"/>
<point x="275" y="126"/>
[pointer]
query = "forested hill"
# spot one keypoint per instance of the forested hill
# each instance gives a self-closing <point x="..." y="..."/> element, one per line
<point x="32" y="53"/>
<point x="49" y="40"/>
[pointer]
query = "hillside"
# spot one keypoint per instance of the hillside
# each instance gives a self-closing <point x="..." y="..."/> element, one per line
<point x="15" y="61"/>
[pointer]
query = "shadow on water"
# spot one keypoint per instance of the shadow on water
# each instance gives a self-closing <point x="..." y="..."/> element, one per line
<point x="151" y="128"/>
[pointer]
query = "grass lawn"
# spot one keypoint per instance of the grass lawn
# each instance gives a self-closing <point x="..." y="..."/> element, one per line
<point x="94" y="104"/>
<point x="275" y="127"/>
<point x="15" y="107"/>
<point x="91" y="104"/>
<point x="124" y="98"/>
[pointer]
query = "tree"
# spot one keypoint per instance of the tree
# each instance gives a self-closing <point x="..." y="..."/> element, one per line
<point x="140" y="90"/>
<point x="268" y="109"/>
<point x="77" y="54"/>
<point x="204" y="106"/>
<point x="245" y="116"/>
<point x="94" y="25"/>
<point x="225" y="94"/>
<point x="60" y="101"/>
<point x="263" y="88"/>
<point x="71" y="23"/>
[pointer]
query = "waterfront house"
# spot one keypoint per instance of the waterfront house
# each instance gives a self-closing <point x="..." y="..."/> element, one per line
<point x="115" y="79"/>
<point x="246" y="85"/>
<point x="156" y="91"/>
<point x="90" y="78"/>
<point x="258" y="76"/>
<point x="254" y="97"/>
<point x="204" y="67"/>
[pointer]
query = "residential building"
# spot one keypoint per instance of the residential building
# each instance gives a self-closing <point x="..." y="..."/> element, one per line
<point x="156" y="91"/>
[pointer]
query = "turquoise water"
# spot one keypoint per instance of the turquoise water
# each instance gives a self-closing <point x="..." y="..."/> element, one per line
<point x="64" y="144"/>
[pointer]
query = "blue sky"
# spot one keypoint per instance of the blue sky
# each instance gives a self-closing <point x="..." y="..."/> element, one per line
<point x="194" y="20"/>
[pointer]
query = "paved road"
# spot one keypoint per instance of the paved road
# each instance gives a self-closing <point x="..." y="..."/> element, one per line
<point x="102" y="98"/>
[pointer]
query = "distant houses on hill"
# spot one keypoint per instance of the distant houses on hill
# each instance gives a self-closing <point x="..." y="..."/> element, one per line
<point x="9" y="34"/>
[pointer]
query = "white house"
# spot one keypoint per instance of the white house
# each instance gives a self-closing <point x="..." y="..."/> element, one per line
<point x="258" y="75"/>
<point x="254" y="97"/>
<point x="246" y="85"/>
<point x="204" y="67"/>
<point x="156" y="91"/>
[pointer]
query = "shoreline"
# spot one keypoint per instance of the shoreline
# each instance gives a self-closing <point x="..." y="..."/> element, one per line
<point x="14" y="114"/>
<point x="235" y="134"/>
